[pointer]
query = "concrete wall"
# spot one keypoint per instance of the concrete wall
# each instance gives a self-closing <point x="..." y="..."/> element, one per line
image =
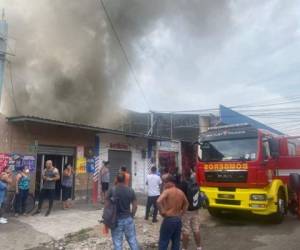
<point x="135" y="146"/>
<point x="20" y="138"/>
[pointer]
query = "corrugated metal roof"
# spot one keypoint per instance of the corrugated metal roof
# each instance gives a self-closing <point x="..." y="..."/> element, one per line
<point x="41" y="120"/>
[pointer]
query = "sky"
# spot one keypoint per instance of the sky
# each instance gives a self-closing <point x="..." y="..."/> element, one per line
<point x="192" y="55"/>
<point x="200" y="54"/>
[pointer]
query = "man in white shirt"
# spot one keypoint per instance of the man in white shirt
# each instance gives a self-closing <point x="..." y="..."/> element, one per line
<point x="153" y="182"/>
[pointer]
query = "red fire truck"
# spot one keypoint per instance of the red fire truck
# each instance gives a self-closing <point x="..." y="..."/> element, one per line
<point x="249" y="169"/>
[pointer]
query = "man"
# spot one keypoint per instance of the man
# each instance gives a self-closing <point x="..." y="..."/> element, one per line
<point x="127" y="175"/>
<point x="164" y="177"/>
<point x="50" y="176"/>
<point x="153" y="182"/>
<point x="191" y="219"/>
<point x="105" y="179"/>
<point x="172" y="204"/>
<point x="125" y="197"/>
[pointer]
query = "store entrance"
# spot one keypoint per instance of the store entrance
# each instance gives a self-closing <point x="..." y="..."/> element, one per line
<point x="58" y="161"/>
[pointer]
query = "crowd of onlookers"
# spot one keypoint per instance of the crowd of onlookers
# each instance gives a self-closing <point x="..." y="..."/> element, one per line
<point x="175" y="197"/>
<point x="21" y="183"/>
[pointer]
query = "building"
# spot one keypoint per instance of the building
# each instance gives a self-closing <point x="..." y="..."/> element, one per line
<point x="34" y="140"/>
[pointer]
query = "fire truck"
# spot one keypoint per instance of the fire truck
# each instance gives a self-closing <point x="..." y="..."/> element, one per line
<point x="242" y="168"/>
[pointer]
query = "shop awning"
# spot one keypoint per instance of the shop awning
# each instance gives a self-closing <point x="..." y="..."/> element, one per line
<point x="40" y="120"/>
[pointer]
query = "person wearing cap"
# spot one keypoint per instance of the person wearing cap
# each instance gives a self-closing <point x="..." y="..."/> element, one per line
<point x="172" y="204"/>
<point x="104" y="178"/>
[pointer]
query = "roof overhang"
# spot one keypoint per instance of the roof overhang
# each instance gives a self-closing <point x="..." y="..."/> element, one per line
<point x="97" y="130"/>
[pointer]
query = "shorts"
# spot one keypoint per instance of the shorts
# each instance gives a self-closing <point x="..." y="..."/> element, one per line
<point x="104" y="186"/>
<point x="66" y="193"/>
<point x="191" y="222"/>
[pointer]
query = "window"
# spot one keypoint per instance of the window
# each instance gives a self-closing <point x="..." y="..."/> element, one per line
<point x="228" y="150"/>
<point x="266" y="150"/>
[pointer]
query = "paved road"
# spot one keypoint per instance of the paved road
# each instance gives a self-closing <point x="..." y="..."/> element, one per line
<point x="234" y="232"/>
<point x="244" y="233"/>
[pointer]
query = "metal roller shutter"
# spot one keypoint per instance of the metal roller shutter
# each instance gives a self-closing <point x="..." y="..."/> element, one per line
<point x="50" y="150"/>
<point x="118" y="159"/>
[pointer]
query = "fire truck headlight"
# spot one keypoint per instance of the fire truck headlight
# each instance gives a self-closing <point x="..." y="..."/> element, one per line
<point x="258" y="197"/>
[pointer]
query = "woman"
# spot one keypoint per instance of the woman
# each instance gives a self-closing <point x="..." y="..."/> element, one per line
<point x="22" y="190"/>
<point x="67" y="184"/>
<point x="5" y="179"/>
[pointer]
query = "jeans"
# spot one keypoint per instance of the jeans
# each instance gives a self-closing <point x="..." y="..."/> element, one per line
<point x="125" y="226"/>
<point x="21" y="197"/>
<point x="151" y="201"/>
<point x="170" y="230"/>
<point x="49" y="194"/>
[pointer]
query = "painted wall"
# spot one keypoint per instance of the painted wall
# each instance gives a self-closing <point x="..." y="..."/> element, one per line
<point x="135" y="146"/>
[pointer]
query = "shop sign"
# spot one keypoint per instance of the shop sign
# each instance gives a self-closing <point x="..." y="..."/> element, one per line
<point x="80" y="151"/>
<point x="81" y="165"/>
<point x="16" y="161"/>
<point x="168" y="146"/>
<point x="90" y="165"/>
<point x="29" y="161"/>
<point x="121" y="146"/>
<point x="4" y="159"/>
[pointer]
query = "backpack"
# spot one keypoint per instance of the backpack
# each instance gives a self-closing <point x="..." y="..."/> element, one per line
<point x="110" y="211"/>
<point x="193" y="194"/>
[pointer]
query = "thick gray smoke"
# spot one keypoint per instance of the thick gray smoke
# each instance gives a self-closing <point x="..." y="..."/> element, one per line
<point x="68" y="65"/>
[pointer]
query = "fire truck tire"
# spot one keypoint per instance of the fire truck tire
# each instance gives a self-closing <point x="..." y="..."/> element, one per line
<point x="294" y="181"/>
<point x="278" y="217"/>
<point x="214" y="212"/>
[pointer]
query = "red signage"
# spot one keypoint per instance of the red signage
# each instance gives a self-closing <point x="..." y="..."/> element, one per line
<point x="119" y="146"/>
<point x="4" y="160"/>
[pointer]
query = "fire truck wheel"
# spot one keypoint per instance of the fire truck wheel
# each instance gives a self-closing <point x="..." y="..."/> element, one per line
<point x="214" y="212"/>
<point x="294" y="181"/>
<point x="278" y="217"/>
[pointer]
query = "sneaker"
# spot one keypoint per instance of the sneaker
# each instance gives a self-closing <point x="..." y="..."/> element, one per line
<point x="154" y="221"/>
<point x="16" y="215"/>
<point x="3" y="220"/>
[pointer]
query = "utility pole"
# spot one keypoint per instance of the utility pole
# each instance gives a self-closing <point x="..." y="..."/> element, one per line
<point x="3" y="44"/>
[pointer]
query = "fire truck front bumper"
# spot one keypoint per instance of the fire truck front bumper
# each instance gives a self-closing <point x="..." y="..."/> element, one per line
<point x="257" y="201"/>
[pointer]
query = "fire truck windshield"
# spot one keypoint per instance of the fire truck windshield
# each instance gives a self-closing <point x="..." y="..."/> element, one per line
<point x="229" y="150"/>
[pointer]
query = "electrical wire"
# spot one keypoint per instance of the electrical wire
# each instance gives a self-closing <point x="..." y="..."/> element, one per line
<point x="124" y="53"/>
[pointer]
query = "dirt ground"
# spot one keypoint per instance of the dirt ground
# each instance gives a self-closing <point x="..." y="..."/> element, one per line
<point x="78" y="229"/>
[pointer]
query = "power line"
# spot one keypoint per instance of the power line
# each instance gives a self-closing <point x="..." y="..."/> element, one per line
<point x="124" y="53"/>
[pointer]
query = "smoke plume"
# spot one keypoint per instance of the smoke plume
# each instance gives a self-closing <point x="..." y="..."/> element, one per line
<point x="68" y="65"/>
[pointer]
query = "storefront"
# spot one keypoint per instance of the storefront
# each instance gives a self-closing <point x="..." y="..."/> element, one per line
<point x="169" y="156"/>
<point x="125" y="151"/>
<point x="38" y="139"/>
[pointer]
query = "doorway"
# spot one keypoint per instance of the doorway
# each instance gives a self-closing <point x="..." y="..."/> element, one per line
<point x="59" y="159"/>
<point x="117" y="159"/>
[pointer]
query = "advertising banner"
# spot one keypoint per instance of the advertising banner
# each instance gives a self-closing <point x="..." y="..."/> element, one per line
<point x="81" y="165"/>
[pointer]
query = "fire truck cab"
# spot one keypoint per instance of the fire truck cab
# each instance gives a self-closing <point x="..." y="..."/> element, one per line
<point x="248" y="169"/>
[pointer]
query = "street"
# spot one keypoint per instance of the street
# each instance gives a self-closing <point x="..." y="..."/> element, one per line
<point x="78" y="229"/>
